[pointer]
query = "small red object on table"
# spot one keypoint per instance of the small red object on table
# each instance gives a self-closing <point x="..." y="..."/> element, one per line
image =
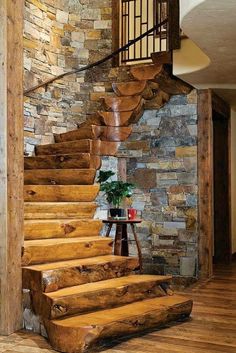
<point x="121" y="246"/>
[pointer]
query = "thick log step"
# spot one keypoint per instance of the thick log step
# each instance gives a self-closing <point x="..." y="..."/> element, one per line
<point x="60" y="193"/>
<point x="64" y="161"/>
<point x="147" y="89"/>
<point x="49" y="250"/>
<point x="105" y="133"/>
<point x="122" y="104"/>
<point x="53" y="276"/>
<point x="99" y="295"/>
<point x="59" y="210"/>
<point x="97" y="147"/>
<point x="146" y="72"/>
<point x="59" y="176"/>
<point x="79" y="333"/>
<point x="66" y="228"/>
<point x="132" y="88"/>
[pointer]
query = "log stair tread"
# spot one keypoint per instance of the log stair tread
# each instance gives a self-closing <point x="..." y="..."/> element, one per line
<point x="59" y="176"/>
<point x="104" y="133"/>
<point x="58" y="210"/>
<point x="108" y="284"/>
<point x="95" y="147"/>
<point x="101" y="295"/>
<point x="104" y="317"/>
<point x="63" y="161"/>
<point x="77" y="334"/>
<point x="51" y="250"/>
<point x="59" y="228"/>
<point x="79" y="262"/>
<point x="60" y="193"/>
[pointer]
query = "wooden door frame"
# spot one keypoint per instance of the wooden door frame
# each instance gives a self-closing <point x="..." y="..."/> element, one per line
<point x="12" y="164"/>
<point x="207" y="102"/>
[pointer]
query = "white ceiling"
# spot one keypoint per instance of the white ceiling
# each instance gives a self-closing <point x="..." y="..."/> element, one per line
<point x="212" y="26"/>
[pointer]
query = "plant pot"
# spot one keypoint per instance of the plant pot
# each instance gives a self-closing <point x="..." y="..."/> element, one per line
<point x="117" y="212"/>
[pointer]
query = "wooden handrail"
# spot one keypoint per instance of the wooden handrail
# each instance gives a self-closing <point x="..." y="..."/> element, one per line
<point x="99" y="62"/>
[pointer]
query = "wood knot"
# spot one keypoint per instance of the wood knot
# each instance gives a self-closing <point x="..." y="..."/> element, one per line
<point x="68" y="228"/>
<point x="88" y="245"/>
<point x="31" y="192"/>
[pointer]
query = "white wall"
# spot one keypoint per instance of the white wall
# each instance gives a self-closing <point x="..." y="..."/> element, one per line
<point x="233" y="178"/>
<point x="187" y="5"/>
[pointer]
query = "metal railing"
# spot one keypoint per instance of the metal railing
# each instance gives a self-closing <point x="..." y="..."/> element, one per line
<point x="99" y="62"/>
<point x="137" y="17"/>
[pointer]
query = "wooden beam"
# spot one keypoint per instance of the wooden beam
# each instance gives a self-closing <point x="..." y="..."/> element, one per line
<point x="11" y="164"/>
<point x="205" y="182"/>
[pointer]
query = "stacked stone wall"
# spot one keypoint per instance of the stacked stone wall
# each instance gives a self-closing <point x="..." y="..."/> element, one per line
<point x="60" y="35"/>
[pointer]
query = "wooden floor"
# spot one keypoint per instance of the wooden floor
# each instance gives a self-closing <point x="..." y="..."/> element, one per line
<point x="212" y="327"/>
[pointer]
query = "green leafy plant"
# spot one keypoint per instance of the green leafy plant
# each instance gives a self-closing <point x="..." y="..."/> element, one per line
<point x="115" y="191"/>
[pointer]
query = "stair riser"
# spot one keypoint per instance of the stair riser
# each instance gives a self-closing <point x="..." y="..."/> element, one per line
<point x="67" y="161"/>
<point x="75" y="210"/>
<point x="59" y="177"/>
<point x="67" y="251"/>
<point x="61" y="229"/>
<point x="122" y="104"/>
<point x="50" y="281"/>
<point x="66" y="339"/>
<point x="60" y="193"/>
<point x="93" y="301"/>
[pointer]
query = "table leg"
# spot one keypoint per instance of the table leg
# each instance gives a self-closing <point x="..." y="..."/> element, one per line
<point x="109" y="229"/>
<point x="138" y="248"/>
<point x="118" y="240"/>
<point x="125" y="244"/>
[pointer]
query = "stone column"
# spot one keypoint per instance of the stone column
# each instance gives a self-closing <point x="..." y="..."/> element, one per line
<point x="11" y="164"/>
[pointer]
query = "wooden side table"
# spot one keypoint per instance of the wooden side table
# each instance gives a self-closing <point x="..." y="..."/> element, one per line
<point x="121" y="246"/>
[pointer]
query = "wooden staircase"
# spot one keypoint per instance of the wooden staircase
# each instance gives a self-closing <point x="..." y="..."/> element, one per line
<point x="84" y="294"/>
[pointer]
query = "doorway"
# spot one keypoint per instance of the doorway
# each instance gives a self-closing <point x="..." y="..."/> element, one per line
<point x="221" y="189"/>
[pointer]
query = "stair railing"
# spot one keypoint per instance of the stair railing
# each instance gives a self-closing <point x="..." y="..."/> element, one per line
<point x="101" y="61"/>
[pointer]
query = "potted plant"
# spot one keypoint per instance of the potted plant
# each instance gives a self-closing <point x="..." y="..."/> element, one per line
<point x="116" y="192"/>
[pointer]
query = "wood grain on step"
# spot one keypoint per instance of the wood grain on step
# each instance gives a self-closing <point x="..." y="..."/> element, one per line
<point x="59" y="177"/>
<point x="59" y="210"/>
<point x="50" y="277"/>
<point x="50" y="250"/>
<point x="65" y="228"/>
<point x="60" y="193"/>
<point x="122" y="104"/>
<point x="132" y="88"/>
<point x="64" y="161"/>
<point x="100" y="295"/>
<point x="146" y="72"/>
<point x="79" y="333"/>
<point x="104" y="133"/>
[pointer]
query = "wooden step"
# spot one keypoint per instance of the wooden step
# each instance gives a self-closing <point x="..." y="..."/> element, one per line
<point x="115" y="118"/>
<point x="51" y="250"/>
<point x="99" y="295"/>
<point x="146" y="72"/>
<point x="53" y="276"/>
<point x="59" y="176"/>
<point x="132" y="88"/>
<point x="122" y="104"/>
<point x="97" y="147"/>
<point x="64" y="161"/>
<point x="62" y="228"/>
<point x="79" y="333"/>
<point x="59" y="210"/>
<point x="61" y="193"/>
<point x="105" y="133"/>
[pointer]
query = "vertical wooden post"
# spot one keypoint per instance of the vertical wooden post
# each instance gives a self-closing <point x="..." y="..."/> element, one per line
<point x="11" y="164"/>
<point x="116" y="30"/>
<point x="205" y="182"/>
